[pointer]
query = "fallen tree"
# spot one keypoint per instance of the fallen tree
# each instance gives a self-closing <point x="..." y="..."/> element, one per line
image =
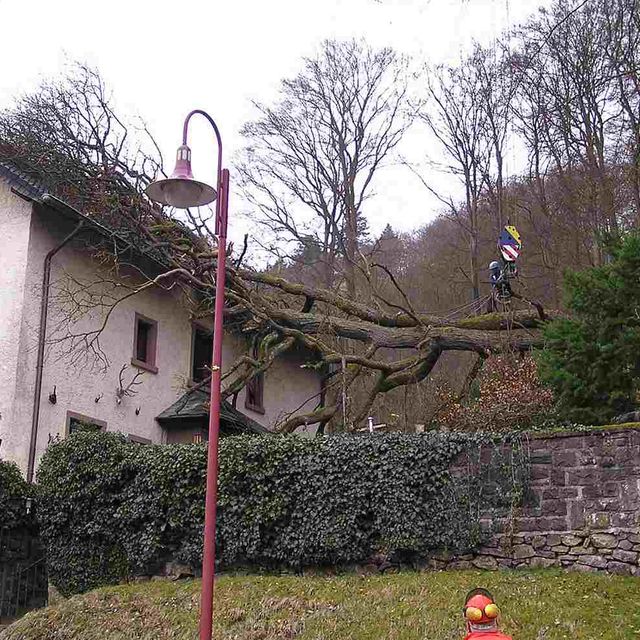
<point x="347" y="338"/>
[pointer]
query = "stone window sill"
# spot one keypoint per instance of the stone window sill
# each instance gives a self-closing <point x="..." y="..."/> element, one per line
<point x="144" y="365"/>
<point x="254" y="408"/>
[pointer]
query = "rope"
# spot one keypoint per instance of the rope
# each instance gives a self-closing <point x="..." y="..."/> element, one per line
<point x="468" y="309"/>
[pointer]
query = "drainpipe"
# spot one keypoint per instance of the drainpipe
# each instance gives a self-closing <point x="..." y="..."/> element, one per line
<point x="42" y="332"/>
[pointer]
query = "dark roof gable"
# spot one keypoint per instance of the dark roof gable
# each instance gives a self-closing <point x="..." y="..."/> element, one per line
<point x="194" y="405"/>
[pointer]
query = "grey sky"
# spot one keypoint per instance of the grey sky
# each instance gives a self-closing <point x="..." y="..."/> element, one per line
<point x="164" y="58"/>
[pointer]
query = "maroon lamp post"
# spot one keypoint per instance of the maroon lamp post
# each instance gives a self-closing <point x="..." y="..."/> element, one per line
<point x="182" y="191"/>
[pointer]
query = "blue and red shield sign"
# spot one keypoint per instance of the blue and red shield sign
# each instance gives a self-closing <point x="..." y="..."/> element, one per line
<point x="510" y="244"/>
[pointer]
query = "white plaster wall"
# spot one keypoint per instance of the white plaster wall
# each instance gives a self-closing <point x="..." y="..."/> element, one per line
<point x="29" y="237"/>
<point x="288" y="388"/>
<point x="15" y="219"/>
<point x="78" y="387"/>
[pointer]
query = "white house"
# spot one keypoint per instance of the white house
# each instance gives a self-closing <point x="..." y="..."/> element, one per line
<point x="45" y="393"/>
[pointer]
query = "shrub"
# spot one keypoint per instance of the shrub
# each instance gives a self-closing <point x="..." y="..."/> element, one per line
<point x="110" y="509"/>
<point x="20" y="546"/>
<point x="13" y="491"/>
<point x="591" y="361"/>
<point x="506" y="394"/>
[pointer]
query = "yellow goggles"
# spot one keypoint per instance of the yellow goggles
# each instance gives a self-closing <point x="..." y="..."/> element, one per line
<point x="474" y="614"/>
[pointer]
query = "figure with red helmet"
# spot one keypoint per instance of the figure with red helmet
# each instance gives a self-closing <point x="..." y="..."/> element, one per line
<point x="481" y="613"/>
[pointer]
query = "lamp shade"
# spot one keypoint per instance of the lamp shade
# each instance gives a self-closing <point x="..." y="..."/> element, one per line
<point x="181" y="190"/>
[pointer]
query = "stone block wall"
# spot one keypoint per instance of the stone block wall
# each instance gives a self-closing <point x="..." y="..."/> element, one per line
<point x="583" y="511"/>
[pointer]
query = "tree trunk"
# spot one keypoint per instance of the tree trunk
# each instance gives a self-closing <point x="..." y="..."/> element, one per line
<point x="351" y="251"/>
<point x="475" y="280"/>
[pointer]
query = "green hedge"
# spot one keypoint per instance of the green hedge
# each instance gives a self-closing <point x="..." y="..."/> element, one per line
<point x="110" y="509"/>
<point x="13" y="491"/>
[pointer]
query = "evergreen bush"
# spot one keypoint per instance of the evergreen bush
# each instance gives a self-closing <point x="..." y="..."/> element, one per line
<point x="110" y="509"/>
<point x="592" y="360"/>
<point x="14" y="491"/>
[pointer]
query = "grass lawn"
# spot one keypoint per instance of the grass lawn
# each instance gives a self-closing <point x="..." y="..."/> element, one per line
<point x="543" y="605"/>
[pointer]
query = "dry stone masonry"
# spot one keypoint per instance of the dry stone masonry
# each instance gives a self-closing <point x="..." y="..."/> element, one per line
<point x="583" y="513"/>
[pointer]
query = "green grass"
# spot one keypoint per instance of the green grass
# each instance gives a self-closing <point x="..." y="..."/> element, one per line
<point x="417" y="606"/>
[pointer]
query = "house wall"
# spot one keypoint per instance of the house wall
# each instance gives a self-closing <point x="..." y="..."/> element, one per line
<point x="15" y="219"/>
<point x="78" y="383"/>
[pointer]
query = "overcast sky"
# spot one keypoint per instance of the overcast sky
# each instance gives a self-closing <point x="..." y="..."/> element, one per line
<point x="162" y="59"/>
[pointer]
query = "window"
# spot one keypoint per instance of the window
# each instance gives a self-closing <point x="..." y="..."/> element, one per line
<point x="254" y="398"/>
<point x="202" y="354"/>
<point x="76" y="422"/>
<point x="144" y="344"/>
<point x="138" y="439"/>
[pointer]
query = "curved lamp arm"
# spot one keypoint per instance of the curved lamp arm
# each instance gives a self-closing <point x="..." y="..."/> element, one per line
<point x="221" y="225"/>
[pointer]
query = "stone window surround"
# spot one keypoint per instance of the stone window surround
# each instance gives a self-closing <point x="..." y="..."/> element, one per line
<point x="84" y="418"/>
<point x="196" y="326"/>
<point x="149" y="365"/>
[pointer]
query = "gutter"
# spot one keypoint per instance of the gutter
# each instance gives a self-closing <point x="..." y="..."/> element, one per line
<point x="42" y="332"/>
<point x="64" y="207"/>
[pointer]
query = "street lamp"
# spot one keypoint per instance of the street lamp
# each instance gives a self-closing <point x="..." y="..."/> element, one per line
<point x="181" y="190"/>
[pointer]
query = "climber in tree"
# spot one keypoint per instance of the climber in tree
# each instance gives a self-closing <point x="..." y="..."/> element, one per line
<point x="500" y="280"/>
<point x="481" y="614"/>
<point x="502" y="270"/>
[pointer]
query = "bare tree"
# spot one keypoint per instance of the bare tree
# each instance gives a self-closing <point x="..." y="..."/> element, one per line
<point x="497" y="86"/>
<point x="340" y="332"/>
<point x="621" y="23"/>
<point x="456" y="118"/>
<point x="564" y="51"/>
<point x="311" y="159"/>
<point x="69" y="131"/>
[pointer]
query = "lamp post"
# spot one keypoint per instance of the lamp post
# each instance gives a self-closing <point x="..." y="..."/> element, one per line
<point x="181" y="190"/>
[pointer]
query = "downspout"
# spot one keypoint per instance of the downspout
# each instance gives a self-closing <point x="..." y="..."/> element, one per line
<point x="42" y="331"/>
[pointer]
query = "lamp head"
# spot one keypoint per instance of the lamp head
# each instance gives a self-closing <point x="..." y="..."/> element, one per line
<point x="181" y="190"/>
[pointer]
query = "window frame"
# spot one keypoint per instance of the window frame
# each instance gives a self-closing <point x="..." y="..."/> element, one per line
<point x="152" y="344"/>
<point x="196" y="326"/>
<point x="138" y="439"/>
<point x="257" y="388"/>
<point x="198" y="437"/>
<point x="74" y="415"/>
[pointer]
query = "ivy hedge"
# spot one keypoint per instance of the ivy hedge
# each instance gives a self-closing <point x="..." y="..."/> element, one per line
<point x="110" y="509"/>
<point x="14" y="490"/>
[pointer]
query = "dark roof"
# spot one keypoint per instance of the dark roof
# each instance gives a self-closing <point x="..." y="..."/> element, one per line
<point x="126" y="239"/>
<point x="193" y="405"/>
<point x="22" y="183"/>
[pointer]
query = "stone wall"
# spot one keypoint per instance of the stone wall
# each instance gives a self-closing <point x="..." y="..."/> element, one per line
<point x="583" y="512"/>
